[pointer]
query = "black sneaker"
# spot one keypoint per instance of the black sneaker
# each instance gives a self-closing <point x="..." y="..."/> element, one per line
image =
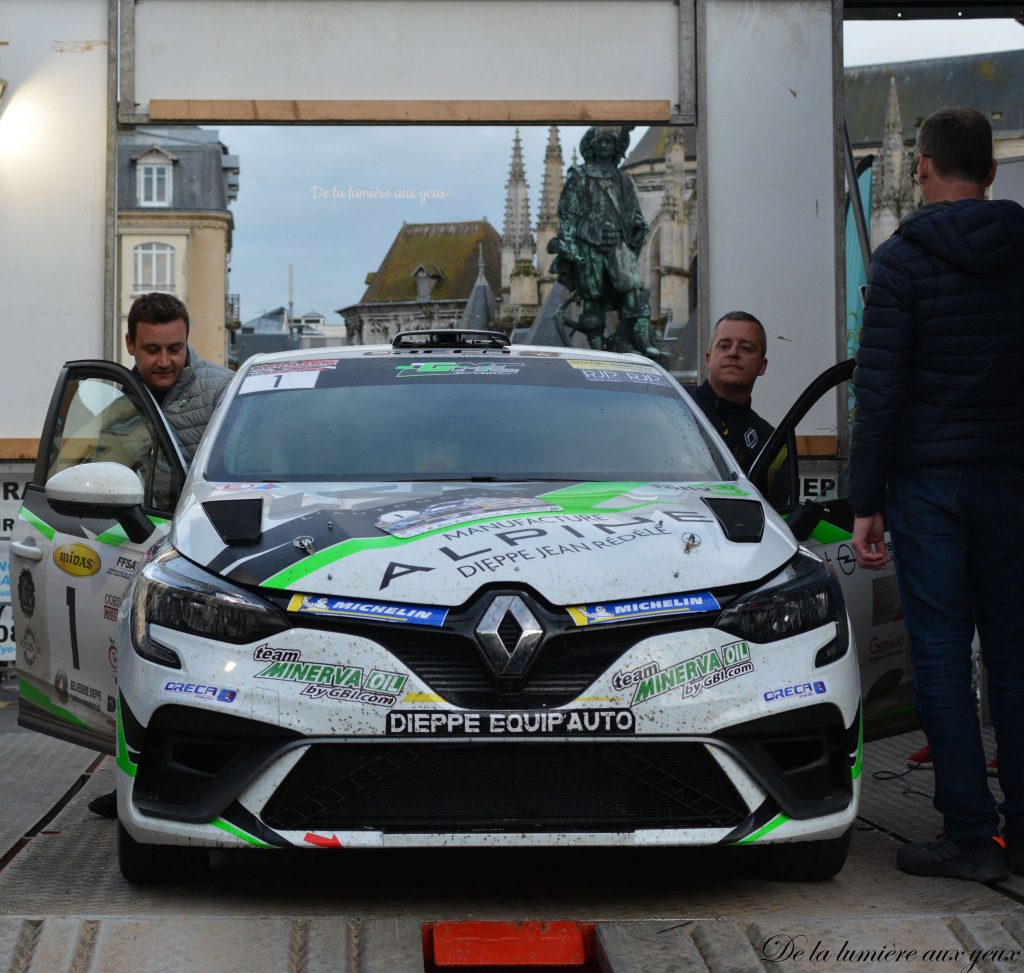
<point x="1015" y="851"/>
<point x="979" y="860"/>
<point x="105" y="805"/>
<point x="1017" y="861"/>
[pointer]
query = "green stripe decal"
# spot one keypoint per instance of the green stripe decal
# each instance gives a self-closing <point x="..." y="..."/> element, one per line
<point x="124" y="759"/>
<point x="38" y="698"/>
<point x="590" y="494"/>
<point x="856" y="768"/>
<point x="45" y="529"/>
<point x="826" y="533"/>
<point x="580" y="498"/>
<point x="114" y="536"/>
<point x="764" y="829"/>
<point x="238" y="833"/>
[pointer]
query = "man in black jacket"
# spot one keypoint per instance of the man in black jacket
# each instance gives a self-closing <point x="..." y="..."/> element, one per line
<point x="939" y="435"/>
<point x="736" y="360"/>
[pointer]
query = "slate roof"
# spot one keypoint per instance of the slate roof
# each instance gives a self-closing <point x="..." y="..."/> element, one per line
<point x="992" y="83"/>
<point x="270" y="322"/>
<point x="450" y="247"/>
<point x="652" y="145"/>
<point x="202" y="178"/>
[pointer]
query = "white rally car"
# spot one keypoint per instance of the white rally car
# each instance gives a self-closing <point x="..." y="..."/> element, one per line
<point x="444" y="592"/>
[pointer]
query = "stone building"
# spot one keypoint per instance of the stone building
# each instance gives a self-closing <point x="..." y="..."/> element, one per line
<point x="426" y="280"/>
<point x="174" y="227"/>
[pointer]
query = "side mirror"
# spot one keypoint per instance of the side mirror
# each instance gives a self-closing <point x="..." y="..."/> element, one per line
<point x="804" y="519"/>
<point x="102" y="491"/>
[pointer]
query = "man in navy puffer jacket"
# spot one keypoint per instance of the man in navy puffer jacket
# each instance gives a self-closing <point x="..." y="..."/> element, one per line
<point x="939" y="436"/>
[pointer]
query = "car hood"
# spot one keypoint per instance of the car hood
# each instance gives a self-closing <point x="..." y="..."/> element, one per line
<point x="436" y="544"/>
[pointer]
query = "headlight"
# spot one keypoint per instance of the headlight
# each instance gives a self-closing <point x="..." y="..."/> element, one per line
<point x="172" y="592"/>
<point x="802" y="597"/>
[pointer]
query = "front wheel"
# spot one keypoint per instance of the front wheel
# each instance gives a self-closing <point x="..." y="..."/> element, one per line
<point x="159" y="864"/>
<point x="801" y="861"/>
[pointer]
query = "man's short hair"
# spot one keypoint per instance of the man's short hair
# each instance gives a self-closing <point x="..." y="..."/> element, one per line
<point x="743" y="316"/>
<point x="959" y="143"/>
<point x="156" y="308"/>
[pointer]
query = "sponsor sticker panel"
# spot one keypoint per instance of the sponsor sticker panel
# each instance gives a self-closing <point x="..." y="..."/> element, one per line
<point x="201" y="691"/>
<point x="531" y="723"/>
<point x="796" y="690"/>
<point x="447" y="369"/>
<point x="338" y="681"/>
<point x="693" y="675"/>
<point x="380" y="611"/>
<point x="618" y="611"/>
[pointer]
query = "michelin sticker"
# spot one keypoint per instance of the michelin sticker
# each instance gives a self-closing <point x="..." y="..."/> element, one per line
<point x="548" y="723"/>
<point x="620" y="611"/>
<point x="324" y="680"/>
<point x="695" y="674"/>
<point x="379" y="611"/>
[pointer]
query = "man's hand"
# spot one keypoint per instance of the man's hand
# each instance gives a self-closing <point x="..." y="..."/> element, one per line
<point x="869" y="543"/>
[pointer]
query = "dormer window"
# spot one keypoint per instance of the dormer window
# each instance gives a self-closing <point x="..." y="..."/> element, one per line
<point x="155" y="178"/>
<point x="426" y="278"/>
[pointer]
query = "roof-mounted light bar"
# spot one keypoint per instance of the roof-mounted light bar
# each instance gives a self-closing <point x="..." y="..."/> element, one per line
<point x="449" y="338"/>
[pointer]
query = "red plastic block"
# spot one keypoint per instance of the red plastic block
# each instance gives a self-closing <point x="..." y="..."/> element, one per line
<point x="509" y="944"/>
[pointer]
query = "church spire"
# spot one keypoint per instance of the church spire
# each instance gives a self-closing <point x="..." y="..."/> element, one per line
<point x="547" y="217"/>
<point x="551" y="191"/>
<point x="675" y="174"/>
<point x="517" y="241"/>
<point x="893" y="119"/>
<point x="892" y="193"/>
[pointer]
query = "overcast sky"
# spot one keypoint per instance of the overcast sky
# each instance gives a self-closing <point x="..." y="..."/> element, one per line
<point x="294" y="205"/>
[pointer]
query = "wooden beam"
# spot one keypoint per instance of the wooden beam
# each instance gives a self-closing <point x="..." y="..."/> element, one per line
<point x="19" y="449"/>
<point x="824" y="447"/>
<point x="230" y="111"/>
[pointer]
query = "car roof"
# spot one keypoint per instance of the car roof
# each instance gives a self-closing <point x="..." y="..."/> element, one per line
<point x="380" y="350"/>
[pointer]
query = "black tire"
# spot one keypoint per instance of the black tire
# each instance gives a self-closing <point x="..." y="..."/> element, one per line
<point x="159" y="864"/>
<point x="801" y="861"/>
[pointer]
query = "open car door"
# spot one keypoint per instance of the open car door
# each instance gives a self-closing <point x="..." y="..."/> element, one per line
<point x="75" y="548"/>
<point x="824" y="523"/>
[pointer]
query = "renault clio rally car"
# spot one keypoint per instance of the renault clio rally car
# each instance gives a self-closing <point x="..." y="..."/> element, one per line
<point x="444" y="592"/>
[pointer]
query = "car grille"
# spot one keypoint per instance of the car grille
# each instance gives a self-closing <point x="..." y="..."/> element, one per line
<point x="502" y="787"/>
<point x="451" y="664"/>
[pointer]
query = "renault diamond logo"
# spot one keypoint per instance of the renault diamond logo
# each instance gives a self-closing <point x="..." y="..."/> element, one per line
<point x="509" y="635"/>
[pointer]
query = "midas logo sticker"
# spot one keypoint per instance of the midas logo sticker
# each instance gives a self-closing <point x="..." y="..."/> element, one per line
<point x="77" y="560"/>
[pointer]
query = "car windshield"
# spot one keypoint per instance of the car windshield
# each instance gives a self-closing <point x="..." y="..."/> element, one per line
<point x="388" y="417"/>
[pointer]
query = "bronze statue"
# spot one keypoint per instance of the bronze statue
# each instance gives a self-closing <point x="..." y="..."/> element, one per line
<point x="600" y="232"/>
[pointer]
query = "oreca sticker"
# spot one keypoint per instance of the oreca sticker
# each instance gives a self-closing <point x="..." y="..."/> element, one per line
<point x="77" y="560"/>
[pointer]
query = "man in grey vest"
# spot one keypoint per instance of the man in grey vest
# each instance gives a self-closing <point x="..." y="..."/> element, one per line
<point x="186" y="388"/>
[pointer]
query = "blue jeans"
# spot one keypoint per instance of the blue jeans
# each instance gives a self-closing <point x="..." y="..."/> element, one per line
<point x="958" y="540"/>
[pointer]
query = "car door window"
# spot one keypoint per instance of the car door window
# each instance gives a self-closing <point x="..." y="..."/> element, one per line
<point x="100" y="420"/>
